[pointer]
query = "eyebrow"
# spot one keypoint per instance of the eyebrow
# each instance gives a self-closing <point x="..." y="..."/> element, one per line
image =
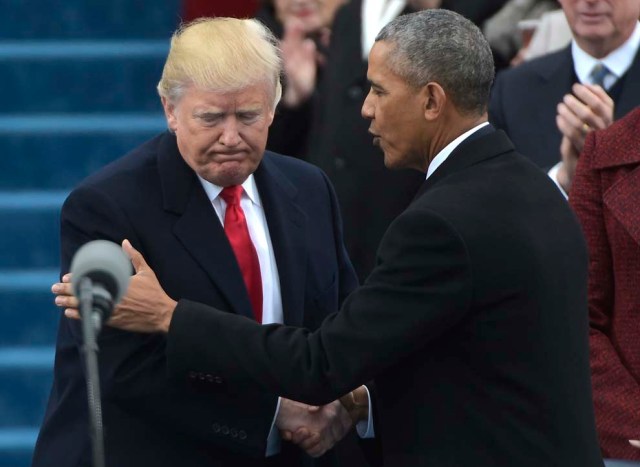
<point x="208" y="114"/>
<point x="373" y="84"/>
<point x="220" y="113"/>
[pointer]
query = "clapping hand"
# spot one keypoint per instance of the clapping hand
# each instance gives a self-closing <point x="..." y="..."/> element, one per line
<point x="299" y="55"/>
<point x="588" y="108"/>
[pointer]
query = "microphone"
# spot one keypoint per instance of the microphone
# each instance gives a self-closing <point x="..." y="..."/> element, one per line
<point x="108" y="270"/>
<point x="100" y="277"/>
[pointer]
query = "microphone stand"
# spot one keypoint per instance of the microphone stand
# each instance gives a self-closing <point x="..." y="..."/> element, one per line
<point x="90" y="351"/>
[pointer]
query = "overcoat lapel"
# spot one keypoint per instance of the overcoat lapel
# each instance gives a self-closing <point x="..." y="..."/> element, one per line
<point x="555" y="80"/>
<point x="622" y="200"/>
<point x="197" y="227"/>
<point x="617" y="161"/>
<point x="287" y="229"/>
<point x="481" y="145"/>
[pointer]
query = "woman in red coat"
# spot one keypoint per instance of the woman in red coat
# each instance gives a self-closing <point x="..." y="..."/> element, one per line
<point x="606" y="198"/>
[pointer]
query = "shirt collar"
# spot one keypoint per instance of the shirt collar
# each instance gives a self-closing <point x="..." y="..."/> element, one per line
<point x="618" y="61"/>
<point x="448" y="149"/>
<point x="249" y="186"/>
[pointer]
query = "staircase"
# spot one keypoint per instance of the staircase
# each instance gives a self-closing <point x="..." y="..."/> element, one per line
<point x="78" y="81"/>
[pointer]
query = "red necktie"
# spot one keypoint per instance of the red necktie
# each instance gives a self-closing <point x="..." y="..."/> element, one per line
<point x="235" y="226"/>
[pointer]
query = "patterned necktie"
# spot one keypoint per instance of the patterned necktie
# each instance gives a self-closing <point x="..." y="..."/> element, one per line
<point x="235" y="226"/>
<point x="598" y="74"/>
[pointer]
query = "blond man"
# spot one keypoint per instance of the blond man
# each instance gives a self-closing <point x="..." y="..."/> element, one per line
<point x="223" y="222"/>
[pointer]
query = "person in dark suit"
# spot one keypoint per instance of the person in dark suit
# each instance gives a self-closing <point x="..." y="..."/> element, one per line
<point x="339" y="144"/>
<point x="473" y="324"/>
<point x="549" y="104"/>
<point x="605" y="197"/>
<point x="323" y="124"/>
<point x="222" y="222"/>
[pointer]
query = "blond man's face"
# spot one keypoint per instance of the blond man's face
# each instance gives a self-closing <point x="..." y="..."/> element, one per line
<point x="222" y="135"/>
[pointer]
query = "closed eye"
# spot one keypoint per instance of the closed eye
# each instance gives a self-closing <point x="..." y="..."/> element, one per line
<point x="248" y="117"/>
<point x="210" y="118"/>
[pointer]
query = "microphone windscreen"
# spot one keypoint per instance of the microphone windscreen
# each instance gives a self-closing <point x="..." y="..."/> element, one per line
<point x="105" y="263"/>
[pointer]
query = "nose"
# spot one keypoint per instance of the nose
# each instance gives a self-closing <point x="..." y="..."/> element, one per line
<point x="367" y="108"/>
<point x="230" y="135"/>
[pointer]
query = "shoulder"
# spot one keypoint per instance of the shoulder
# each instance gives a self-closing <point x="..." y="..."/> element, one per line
<point x="617" y="145"/>
<point x="627" y="128"/>
<point x="121" y="179"/>
<point x="536" y="68"/>
<point x="296" y="170"/>
<point x="135" y="160"/>
<point x="494" y="188"/>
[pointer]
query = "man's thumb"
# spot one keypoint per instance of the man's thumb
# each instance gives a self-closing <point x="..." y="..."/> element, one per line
<point x="134" y="255"/>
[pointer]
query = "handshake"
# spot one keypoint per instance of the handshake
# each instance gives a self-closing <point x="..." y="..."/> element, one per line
<point x="317" y="429"/>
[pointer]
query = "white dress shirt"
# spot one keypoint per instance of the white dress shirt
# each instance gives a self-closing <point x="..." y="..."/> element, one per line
<point x="259" y="232"/>
<point x="617" y="62"/>
<point x="375" y="15"/>
<point x="444" y="154"/>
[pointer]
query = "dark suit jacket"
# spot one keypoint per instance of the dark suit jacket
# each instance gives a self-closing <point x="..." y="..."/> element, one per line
<point x="154" y="199"/>
<point x="473" y="324"/>
<point x="478" y="12"/>
<point x="524" y="103"/>
<point x="342" y="147"/>
<point x="606" y="197"/>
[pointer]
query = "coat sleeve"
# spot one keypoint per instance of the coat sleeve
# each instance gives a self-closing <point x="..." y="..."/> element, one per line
<point x="616" y="392"/>
<point x="421" y="288"/>
<point x="132" y="366"/>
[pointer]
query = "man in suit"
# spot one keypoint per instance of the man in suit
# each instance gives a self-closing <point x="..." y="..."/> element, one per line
<point x="338" y="140"/>
<point x="549" y="104"/>
<point x="473" y="324"/>
<point x="222" y="222"/>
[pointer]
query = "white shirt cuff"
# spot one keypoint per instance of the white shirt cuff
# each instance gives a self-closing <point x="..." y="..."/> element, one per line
<point x="365" y="428"/>
<point x="273" y="440"/>
<point x="553" y="174"/>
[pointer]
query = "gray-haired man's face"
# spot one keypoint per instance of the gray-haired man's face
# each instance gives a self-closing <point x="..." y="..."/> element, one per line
<point x="396" y="112"/>
<point x="601" y="25"/>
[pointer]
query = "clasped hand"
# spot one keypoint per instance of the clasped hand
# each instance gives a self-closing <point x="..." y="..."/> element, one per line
<point x="314" y="429"/>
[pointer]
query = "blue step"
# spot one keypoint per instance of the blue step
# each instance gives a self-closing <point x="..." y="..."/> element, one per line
<point x="57" y="151"/>
<point x="97" y="76"/>
<point x="28" y="314"/>
<point x="56" y="19"/>
<point x="30" y="229"/>
<point x="16" y="446"/>
<point x="26" y="374"/>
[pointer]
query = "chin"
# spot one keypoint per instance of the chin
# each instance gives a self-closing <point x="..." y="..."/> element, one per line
<point x="391" y="163"/>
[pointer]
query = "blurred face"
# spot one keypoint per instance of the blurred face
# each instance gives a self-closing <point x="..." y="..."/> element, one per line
<point x="601" y="26"/>
<point x="222" y="135"/>
<point x="312" y="14"/>
<point x="396" y="113"/>
<point x="424" y="4"/>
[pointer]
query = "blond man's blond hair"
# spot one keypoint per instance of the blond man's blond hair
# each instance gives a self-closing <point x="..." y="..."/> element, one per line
<point x="221" y="55"/>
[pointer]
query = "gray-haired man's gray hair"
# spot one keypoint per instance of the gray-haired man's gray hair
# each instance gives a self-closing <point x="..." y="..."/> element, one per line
<point x="441" y="46"/>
